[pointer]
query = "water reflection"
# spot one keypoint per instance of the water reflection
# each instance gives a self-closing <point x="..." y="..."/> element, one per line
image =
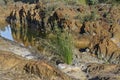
<point x="23" y="35"/>
<point x="6" y="33"/>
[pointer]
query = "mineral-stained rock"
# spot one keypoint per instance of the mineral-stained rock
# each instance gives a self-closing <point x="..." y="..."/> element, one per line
<point x="96" y="28"/>
<point x="115" y="30"/>
<point x="94" y="68"/>
<point x="8" y="60"/>
<point x="106" y="46"/>
<point x="42" y="69"/>
<point x="82" y="42"/>
<point x="101" y="42"/>
<point x="65" y="18"/>
<point x="115" y="57"/>
<point x="106" y="76"/>
<point x="114" y="12"/>
<point x="45" y="71"/>
<point x="13" y="61"/>
<point x="37" y="16"/>
<point x="65" y="12"/>
<point x="107" y="50"/>
<point x="102" y="71"/>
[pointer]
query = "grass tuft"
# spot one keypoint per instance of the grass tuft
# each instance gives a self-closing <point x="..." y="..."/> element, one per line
<point x="59" y="43"/>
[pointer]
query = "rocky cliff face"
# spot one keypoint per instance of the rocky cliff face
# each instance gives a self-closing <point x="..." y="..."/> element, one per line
<point x="96" y="40"/>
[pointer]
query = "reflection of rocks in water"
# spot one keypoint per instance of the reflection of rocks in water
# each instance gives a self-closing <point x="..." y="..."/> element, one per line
<point x="6" y="33"/>
<point x="28" y="23"/>
<point x="25" y="35"/>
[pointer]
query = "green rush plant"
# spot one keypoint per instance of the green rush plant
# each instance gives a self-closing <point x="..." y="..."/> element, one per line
<point x="64" y="45"/>
<point x="59" y="43"/>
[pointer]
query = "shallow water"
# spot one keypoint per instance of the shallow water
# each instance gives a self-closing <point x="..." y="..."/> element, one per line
<point x="22" y="35"/>
<point x="7" y="33"/>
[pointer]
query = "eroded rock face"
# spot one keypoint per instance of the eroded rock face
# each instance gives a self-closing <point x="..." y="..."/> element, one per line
<point x="115" y="30"/>
<point x="42" y="70"/>
<point x="29" y="15"/>
<point x="45" y="71"/>
<point x="102" y="71"/>
<point x="4" y="13"/>
<point x="12" y="61"/>
<point x="102" y="39"/>
<point x="11" y="67"/>
<point x="65" y="18"/>
<point x="8" y="60"/>
<point x="107" y="50"/>
<point x="97" y="28"/>
<point x="107" y="47"/>
<point x="36" y="15"/>
<point x="65" y="12"/>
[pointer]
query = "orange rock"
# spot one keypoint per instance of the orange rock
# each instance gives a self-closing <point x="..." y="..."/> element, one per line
<point x="107" y="48"/>
<point x="65" y="12"/>
<point x="82" y="42"/>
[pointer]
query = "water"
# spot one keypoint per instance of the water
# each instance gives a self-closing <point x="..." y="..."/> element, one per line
<point x="22" y="35"/>
<point x="28" y="37"/>
<point x="7" y="33"/>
